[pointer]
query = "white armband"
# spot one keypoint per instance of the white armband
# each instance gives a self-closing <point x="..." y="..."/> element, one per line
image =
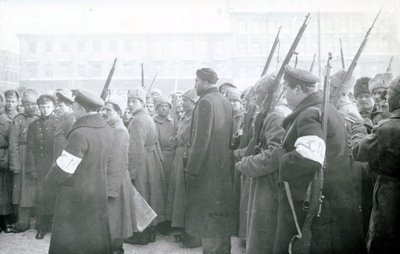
<point x="311" y="147"/>
<point x="68" y="162"/>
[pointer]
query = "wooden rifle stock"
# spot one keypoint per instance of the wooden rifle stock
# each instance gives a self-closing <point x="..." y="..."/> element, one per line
<point x="105" y="92"/>
<point x="301" y="243"/>
<point x="268" y="101"/>
<point x="271" y="53"/>
<point x="349" y="72"/>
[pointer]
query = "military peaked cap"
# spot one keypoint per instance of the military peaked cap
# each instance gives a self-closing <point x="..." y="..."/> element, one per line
<point x="299" y="76"/>
<point x="88" y="99"/>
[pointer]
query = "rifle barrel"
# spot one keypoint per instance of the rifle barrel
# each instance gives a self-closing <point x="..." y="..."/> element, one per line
<point x="104" y="92"/>
<point x="271" y="53"/>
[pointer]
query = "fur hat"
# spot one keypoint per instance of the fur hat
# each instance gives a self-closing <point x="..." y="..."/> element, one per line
<point x="160" y="100"/>
<point x="361" y="86"/>
<point x="10" y="93"/>
<point x="263" y="85"/>
<point x="233" y="94"/>
<point x="337" y="78"/>
<point x="381" y="80"/>
<point x="138" y="93"/>
<point x="207" y="74"/>
<point x="394" y="97"/>
<point x="191" y="95"/>
<point x="29" y="95"/>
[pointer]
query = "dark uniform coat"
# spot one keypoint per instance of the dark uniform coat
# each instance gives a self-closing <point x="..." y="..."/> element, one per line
<point x="81" y="224"/>
<point x="263" y="190"/>
<point x="338" y="228"/>
<point x="40" y="141"/>
<point x="144" y="162"/>
<point x="5" y="173"/>
<point x="210" y="210"/>
<point x="24" y="185"/>
<point x="382" y="150"/>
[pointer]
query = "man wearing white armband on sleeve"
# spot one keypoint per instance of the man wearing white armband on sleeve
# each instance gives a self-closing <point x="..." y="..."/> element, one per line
<point x="81" y="217"/>
<point x="303" y="153"/>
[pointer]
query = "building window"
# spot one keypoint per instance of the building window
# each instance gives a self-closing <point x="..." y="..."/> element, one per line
<point x="65" y="69"/>
<point x="32" y="70"/>
<point x="32" y="47"/>
<point x="48" y="71"/>
<point x="96" y="46"/>
<point x="64" y="47"/>
<point x="48" y="47"/>
<point x="81" y="70"/>
<point x="96" y="69"/>
<point x="128" y="47"/>
<point x="81" y="46"/>
<point x="112" y="46"/>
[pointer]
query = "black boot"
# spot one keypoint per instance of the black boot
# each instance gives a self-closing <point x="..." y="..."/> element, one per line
<point x="138" y="238"/>
<point x="164" y="227"/>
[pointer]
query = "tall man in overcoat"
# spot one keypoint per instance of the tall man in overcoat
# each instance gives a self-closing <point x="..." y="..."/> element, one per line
<point x="210" y="212"/>
<point x="81" y="222"/>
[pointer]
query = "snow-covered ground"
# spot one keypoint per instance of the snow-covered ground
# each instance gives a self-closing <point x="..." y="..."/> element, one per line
<point x="25" y="243"/>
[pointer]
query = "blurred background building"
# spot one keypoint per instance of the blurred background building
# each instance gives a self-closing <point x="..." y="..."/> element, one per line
<point x="174" y="39"/>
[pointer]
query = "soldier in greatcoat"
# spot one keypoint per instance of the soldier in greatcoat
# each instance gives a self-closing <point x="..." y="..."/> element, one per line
<point x="262" y="174"/>
<point x="381" y="149"/>
<point x="378" y="87"/>
<point x="126" y="213"/>
<point x="6" y="209"/>
<point x="40" y="141"/>
<point x="209" y="212"/>
<point x="176" y="191"/>
<point x="81" y="222"/>
<point x="303" y="152"/>
<point x="165" y="131"/>
<point x="24" y="184"/>
<point x="144" y="161"/>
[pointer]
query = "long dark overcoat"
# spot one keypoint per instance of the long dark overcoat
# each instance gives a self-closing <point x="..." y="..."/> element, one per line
<point x="263" y="191"/>
<point x="381" y="149"/>
<point x="24" y="185"/>
<point x="210" y="210"/>
<point x="338" y="229"/>
<point x="81" y="222"/>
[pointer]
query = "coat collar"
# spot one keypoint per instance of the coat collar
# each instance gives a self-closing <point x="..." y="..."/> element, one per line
<point x="161" y="120"/>
<point x="90" y="121"/>
<point x="210" y="89"/>
<point x="311" y="100"/>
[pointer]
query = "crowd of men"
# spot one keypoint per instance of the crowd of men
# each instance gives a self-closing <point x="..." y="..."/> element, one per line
<point x="98" y="173"/>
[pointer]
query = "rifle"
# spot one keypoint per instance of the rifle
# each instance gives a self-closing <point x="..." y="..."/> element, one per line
<point x="151" y="85"/>
<point x="106" y="91"/>
<point x="389" y="68"/>
<point x="341" y="54"/>
<point x="301" y="242"/>
<point x="271" y="53"/>
<point x="268" y="102"/>
<point x="349" y="72"/>
<point x="296" y="54"/>
<point x="143" y="86"/>
<point x="312" y="63"/>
